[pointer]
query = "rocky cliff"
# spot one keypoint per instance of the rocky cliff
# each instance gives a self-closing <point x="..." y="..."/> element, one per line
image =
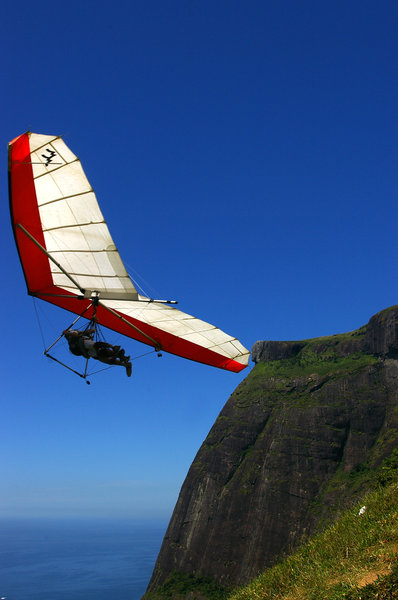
<point x="298" y="440"/>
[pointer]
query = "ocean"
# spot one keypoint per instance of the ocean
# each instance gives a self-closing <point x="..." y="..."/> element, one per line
<point x="77" y="559"/>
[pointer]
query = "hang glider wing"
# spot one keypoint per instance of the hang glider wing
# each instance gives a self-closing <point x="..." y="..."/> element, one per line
<point x="68" y="256"/>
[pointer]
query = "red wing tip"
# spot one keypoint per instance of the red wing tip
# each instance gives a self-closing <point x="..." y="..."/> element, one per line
<point x="17" y="138"/>
<point x="234" y="366"/>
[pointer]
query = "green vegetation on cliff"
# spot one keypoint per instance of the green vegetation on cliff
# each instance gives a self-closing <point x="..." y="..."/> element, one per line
<point x="183" y="585"/>
<point x="307" y="361"/>
<point x="314" y="363"/>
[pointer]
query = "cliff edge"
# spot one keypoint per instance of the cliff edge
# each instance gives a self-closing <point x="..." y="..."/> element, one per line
<point x="296" y="442"/>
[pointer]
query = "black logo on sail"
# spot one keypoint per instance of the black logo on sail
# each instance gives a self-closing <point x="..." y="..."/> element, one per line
<point x="50" y="157"/>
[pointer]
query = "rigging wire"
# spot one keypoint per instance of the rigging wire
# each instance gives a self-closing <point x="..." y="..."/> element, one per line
<point x="152" y="292"/>
<point x="145" y="354"/>
<point x="39" y="323"/>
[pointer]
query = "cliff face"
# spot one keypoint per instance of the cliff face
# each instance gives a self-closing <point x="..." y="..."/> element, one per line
<point x="297" y="440"/>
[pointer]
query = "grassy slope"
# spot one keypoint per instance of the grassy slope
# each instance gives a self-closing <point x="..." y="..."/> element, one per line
<point x="356" y="558"/>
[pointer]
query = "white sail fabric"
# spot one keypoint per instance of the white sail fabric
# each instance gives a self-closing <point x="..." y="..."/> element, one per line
<point x="74" y="228"/>
<point x="183" y="326"/>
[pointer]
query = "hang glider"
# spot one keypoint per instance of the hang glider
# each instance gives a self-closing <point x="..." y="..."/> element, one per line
<point x="69" y="258"/>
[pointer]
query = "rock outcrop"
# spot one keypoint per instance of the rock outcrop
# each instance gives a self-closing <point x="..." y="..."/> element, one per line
<point x="298" y="440"/>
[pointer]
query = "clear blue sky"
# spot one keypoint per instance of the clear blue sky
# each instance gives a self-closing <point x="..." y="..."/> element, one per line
<point x="244" y="155"/>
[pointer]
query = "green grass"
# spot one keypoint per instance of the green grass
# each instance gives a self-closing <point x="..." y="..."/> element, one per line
<point x="308" y="362"/>
<point x="179" y="585"/>
<point x="344" y="562"/>
<point x="294" y="379"/>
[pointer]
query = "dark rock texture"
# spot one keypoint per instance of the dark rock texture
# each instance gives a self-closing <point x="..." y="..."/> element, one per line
<point x="295" y="443"/>
<point x="382" y="333"/>
<point x="379" y="337"/>
<point x="265" y="351"/>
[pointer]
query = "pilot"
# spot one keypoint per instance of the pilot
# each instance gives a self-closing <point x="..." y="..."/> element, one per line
<point x="81" y="343"/>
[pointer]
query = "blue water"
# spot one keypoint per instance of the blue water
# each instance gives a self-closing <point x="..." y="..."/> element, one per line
<point x="76" y="559"/>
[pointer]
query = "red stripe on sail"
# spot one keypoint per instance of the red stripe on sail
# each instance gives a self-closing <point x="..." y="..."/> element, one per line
<point x="25" y="211"/>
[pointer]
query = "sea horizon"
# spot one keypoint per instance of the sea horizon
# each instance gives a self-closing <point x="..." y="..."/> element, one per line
<point x="78" y="557"/>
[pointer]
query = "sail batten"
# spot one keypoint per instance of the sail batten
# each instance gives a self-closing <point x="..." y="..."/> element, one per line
<point x="69" y="256"/>
<point x="80" y="195"/>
